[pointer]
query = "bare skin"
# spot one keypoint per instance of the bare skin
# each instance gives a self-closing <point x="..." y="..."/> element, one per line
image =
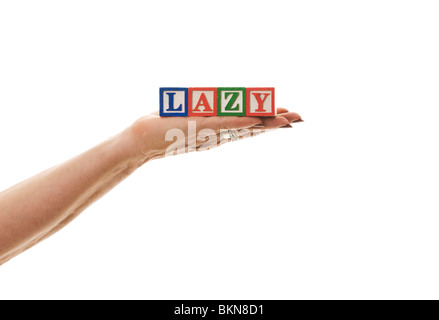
<point x="38" y="207"/>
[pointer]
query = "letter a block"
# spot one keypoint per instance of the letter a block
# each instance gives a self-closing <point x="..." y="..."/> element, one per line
<point x="202" y="102"/>
<point x="173" y="102"/>
<point x="231" y="102"/>
<point x="260" y="102"/>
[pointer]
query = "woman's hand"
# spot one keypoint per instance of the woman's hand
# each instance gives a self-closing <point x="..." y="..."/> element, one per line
<point x="154" y="135"/>
<point x="41" y="205"/>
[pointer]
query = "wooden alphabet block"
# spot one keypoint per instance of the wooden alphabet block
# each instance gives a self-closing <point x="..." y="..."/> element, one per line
<point x="231" y="102"/>
<point x="202" y="102"/>
<point x="222" y="101"/>
<point x="173" y="102"/>
<point x="260" y="102"/>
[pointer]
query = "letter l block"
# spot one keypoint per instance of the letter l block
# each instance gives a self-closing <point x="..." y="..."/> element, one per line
<point x="173" y="102"/>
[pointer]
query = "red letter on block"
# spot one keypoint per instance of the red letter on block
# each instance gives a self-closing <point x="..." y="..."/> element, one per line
<point x="202" y="102"/>
<point x="260" y="102"/>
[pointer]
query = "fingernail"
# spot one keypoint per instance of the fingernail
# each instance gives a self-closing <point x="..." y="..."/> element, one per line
<point x="287" y="126"/>
<point x="297" y="121"/>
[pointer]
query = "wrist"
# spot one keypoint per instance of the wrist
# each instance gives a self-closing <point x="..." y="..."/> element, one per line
<point x="135" y="139"/>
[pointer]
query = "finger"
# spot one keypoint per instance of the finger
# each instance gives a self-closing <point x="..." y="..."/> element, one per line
<point x="291" y="116"/>
<point x="281" y="110"/>
<point x="273" y="122"/>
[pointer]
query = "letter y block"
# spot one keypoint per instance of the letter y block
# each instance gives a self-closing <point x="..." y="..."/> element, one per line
<point x="260" y="102"/>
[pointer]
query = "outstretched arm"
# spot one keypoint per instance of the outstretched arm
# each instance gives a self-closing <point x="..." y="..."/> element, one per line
<point x="39" y="206"/>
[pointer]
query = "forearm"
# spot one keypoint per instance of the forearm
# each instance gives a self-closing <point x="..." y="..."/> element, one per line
<point x="36" y="208"/>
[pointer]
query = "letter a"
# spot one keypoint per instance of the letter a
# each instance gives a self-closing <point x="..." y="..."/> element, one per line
<point x="202" y="102"/>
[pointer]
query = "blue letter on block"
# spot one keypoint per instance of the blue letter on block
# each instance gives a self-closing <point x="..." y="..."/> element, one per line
<point x="173" y="102"/>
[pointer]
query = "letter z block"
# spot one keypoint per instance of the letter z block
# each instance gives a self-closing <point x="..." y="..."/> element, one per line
<point x="173" y="102"/>
<point x="260" y="102"/>
<point x="202" y="102"/>
<point x="231" y="102"/>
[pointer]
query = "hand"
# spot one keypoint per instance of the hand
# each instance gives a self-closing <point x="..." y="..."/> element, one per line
<point x="155" y="135"/>
<point x="41" y="205"/>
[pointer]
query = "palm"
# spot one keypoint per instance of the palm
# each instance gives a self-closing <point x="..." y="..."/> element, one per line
<point x="154" y="131"/>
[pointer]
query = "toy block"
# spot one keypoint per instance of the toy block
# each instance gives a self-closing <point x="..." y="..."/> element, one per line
<point x="202" y="102"/>
<point x="260" y="102"/>
<point x="231" y="102"/>
<point x="173" y="102"/>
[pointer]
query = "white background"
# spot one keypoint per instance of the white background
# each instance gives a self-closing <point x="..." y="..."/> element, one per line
<point x="342" y="206"/>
